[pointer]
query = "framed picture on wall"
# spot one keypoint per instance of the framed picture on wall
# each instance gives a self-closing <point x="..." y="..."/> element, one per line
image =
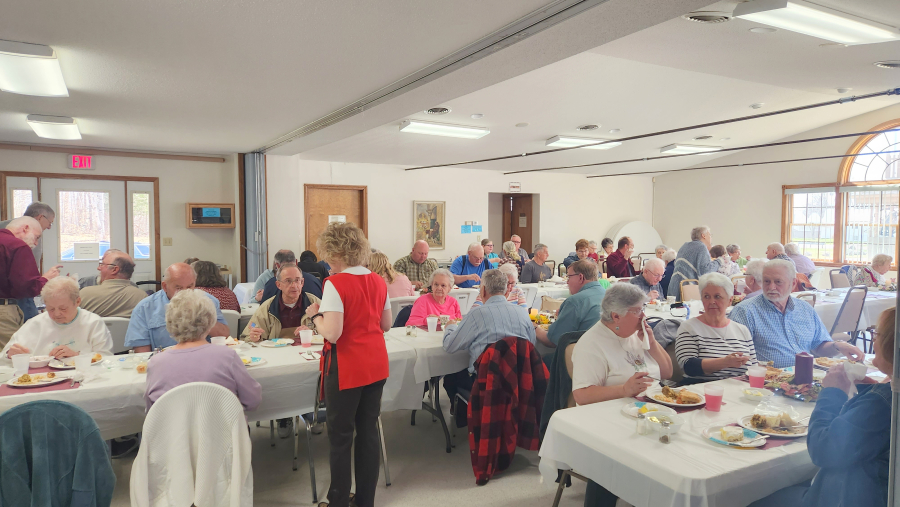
<point x="428" y="223"/>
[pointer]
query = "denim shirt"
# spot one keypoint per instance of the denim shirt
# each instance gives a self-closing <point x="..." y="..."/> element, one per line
<point x="148" y="322"/>
<point x="850" y="441"/>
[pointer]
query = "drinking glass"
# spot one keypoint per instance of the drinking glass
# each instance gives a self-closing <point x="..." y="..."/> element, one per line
<point x="83" y="362"/>
<point x="218" y="340"/>
<point x="306" y="337"/>
<point x="20" y="363"/>
<point x="757" y="376"/>
<point x="714" y="396"/>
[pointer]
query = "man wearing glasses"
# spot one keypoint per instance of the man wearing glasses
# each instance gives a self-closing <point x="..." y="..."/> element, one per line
<point x="116" y="295"/>
<point x="518" y="242"/>
<point x="649" y="279"/>
<point x="579" y="311"/>
<point x="45" y="216"/>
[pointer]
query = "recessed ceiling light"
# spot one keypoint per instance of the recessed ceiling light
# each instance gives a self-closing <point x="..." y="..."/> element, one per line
<point x="843" y="90"/>
<point x="477" y="116"/>
<point x="568" y="141"/>
<point x="442" y="129"/>
<point x="521" y="124"/>
<point x="437" y="110"/>
<point x="54" y="127"/>
<point x="615" y="131"/>
<point x="758" y="105"/>
<point x="832" y="45"/>
<point x="701" y="138"/>
<point x="681" y="149"/>
<point x="589" y="127"/>
<point x="817" y="21"/>
<point x="30" y="69"/>
<point x="888" y="64"/>
<point x="762" y="29"/>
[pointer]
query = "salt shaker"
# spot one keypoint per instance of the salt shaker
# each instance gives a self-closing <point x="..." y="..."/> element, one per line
<point x="664" y="432"/>
<point x="643" y="425"/>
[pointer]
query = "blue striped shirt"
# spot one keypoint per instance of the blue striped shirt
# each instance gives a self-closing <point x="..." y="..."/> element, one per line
<point x="487" y="324"/>
<point x="780" y="336"/>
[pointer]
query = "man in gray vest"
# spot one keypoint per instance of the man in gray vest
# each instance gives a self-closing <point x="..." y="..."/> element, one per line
<point x="45" y="215"/>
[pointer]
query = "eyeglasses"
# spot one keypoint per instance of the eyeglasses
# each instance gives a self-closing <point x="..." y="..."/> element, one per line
<point x="293" y="281"/>
<point x="49" y="222"/>
<point x="636" y="311"/>
<point x="110" y="265"/>
<point x="570" y="275"/>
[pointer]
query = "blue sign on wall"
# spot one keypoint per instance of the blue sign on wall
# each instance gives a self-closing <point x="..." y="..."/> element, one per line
<point x="212" y="212"/>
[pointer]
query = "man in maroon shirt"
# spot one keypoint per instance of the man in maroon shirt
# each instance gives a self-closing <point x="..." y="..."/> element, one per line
<point x="22" y="278"/>
<point x="618" y="264"/>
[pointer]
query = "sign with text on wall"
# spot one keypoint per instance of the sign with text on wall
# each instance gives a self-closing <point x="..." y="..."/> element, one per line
<point x="86" y="251"/>
<point x="340" y="219"/>
<point x="515" y="186"/>
<point x="80" y="162"/>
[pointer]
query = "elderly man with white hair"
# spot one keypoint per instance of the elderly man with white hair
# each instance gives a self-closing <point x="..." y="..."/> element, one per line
<point x="710" y="346"/>
<point x="804" y="264"/>
<point x="147" y="327"/>
<point x="45" y="216"/>
<point x="776" y="251"/>
<point x="467" y="269"/>
<point x="536" y="270"/>
<point x="754" y="278"/>
<point x="783" y="326"/>
<point x="64" y="329"/>
<point x="19" y="274"/>
<point x="650" y="277"/>
<point x="484" y="325"/>
<point x="693" y="260"/>
<point x="514" y="293"/>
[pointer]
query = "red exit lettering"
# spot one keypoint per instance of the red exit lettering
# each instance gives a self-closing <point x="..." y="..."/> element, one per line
<point x="80" y="162"/>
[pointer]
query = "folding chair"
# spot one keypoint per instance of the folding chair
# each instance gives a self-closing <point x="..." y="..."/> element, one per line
<point x="809" y="297"/>
<point x="839" y="280"/>
<point x="690" y="290"/>
<point x="846" y="324"/>
<point x="740" y="282"/>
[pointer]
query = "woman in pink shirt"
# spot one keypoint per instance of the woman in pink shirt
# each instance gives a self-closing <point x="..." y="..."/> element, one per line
<point x="438" y="302"/>
<point x="397" y="283"/>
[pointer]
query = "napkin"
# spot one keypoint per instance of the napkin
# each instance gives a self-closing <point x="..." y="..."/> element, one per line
<point x="855" y="372"/>
<point x="646" y="344"/>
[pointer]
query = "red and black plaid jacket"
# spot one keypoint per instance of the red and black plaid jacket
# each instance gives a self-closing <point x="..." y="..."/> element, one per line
<point x="505" y="406"/>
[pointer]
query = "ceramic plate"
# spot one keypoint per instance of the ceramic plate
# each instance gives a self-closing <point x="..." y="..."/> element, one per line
<point x="713" y="433"/>
<point x="656" y="390"/>
<point x="745" y="423"/>
<point x="41" y="382"/>
<point x="67" y="364"/>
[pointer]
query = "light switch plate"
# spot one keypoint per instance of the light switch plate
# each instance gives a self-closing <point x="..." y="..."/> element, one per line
<point x="167" y="241"/>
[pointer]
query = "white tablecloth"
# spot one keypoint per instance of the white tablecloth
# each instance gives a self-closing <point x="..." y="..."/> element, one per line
<point x="116" y="399"/>
<point x="431" y="358"/>
<point x="600" y="443"/>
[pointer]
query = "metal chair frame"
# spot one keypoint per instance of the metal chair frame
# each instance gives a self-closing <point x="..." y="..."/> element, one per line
<point x="688" y="281"/>
<point x="854" y="334"/>
<point x="844" y="283"/>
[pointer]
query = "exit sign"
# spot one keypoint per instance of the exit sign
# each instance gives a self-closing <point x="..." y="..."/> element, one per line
<point x="80" y="161"/>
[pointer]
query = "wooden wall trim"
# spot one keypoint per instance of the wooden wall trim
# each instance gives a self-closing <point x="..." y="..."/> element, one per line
<point x="847" y="163"/>
<point x="81" y="150"/>
<point x="242" y="218"/>
<point x="69" y="176"/>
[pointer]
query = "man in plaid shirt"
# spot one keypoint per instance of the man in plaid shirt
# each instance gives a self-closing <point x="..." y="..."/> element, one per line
<point x="417" y="266"/>
<point x="783" y="326"/>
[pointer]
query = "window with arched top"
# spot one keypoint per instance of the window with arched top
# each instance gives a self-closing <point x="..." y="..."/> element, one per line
<point x="852" y="220"/>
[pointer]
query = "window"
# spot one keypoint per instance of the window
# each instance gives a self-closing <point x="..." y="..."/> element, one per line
<point x="856" y="218"/>
<point x="812" y="224"/>
<point x="22" y="197"/>
<point x="140" y="212"/>
<point x="83" y="217"/>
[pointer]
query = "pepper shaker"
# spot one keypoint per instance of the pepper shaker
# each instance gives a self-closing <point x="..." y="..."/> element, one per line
<point x="664" y="432"/>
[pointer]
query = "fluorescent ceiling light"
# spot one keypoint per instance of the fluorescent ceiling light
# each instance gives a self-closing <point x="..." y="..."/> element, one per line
<point x="817" y="21"/>
<point x="568" y="142"/>
<point x="442" y="129"/>
<point x="30" y="69"/>
<point x="54" y="127"/>
<point x="682" y="149"/>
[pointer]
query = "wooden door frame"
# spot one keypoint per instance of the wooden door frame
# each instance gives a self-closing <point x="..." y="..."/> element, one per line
<point x="66" y="176"/>
<point x="363" y="212"/>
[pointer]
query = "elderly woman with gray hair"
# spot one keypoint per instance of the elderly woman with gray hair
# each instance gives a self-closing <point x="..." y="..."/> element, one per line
<point x="190" y="315"/>
<point x="711" y="346"/>
<point x="437" y="302"/>
<point x="693" y="260"/>
<point x="514" y="294"/>
<point x="64" y="329"/>
<point x="612" y="361"/>
<point x="873" y="274"/>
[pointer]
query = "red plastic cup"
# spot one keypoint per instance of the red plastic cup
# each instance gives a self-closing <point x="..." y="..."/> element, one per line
<point x="757" y="376"/>
<point x="714" y="396"/>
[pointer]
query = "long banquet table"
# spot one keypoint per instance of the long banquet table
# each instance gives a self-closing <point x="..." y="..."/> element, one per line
<point x="599" y="442"/>
<point x="116" y="399"/>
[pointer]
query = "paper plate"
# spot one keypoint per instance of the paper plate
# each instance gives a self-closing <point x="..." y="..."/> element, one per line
<point x="250" y="362"/>
<point x="631" y="409"/>
<point x="745" y="423"/>
<point x="68" y="363"/>
<point x="653" y="391"/>
<point x="713" y="433"/>
<point x="40" y="383"/>
<point x="278" y="342"/>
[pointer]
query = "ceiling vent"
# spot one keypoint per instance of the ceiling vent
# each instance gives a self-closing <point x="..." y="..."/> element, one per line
<point x="701" y="138"/>
<point x="707" y="17"/>
<point x="589" y="127"/>
<point x="437" y="110"/>
<point x="888" y="64"/>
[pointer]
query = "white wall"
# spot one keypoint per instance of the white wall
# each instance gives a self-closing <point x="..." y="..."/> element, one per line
<point x="180" y="182"/>
<point x="743" y="205"/>
<point x="571" y="206"/>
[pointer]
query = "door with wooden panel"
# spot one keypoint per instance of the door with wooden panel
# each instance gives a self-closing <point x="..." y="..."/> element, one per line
<point x="333" y="203"/>
<point x="518" y="218"/>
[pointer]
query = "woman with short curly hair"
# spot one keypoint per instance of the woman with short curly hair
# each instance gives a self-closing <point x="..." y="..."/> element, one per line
<point x="190" y="316"/>
<point x="210" y="280"/>
<point x="354" y="362"/>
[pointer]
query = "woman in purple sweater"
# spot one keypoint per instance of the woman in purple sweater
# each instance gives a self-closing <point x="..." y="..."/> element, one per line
<point x="189" y="318"/>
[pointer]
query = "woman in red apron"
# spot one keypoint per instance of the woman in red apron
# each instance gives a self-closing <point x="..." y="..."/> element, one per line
<point x="354" y="315"/>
